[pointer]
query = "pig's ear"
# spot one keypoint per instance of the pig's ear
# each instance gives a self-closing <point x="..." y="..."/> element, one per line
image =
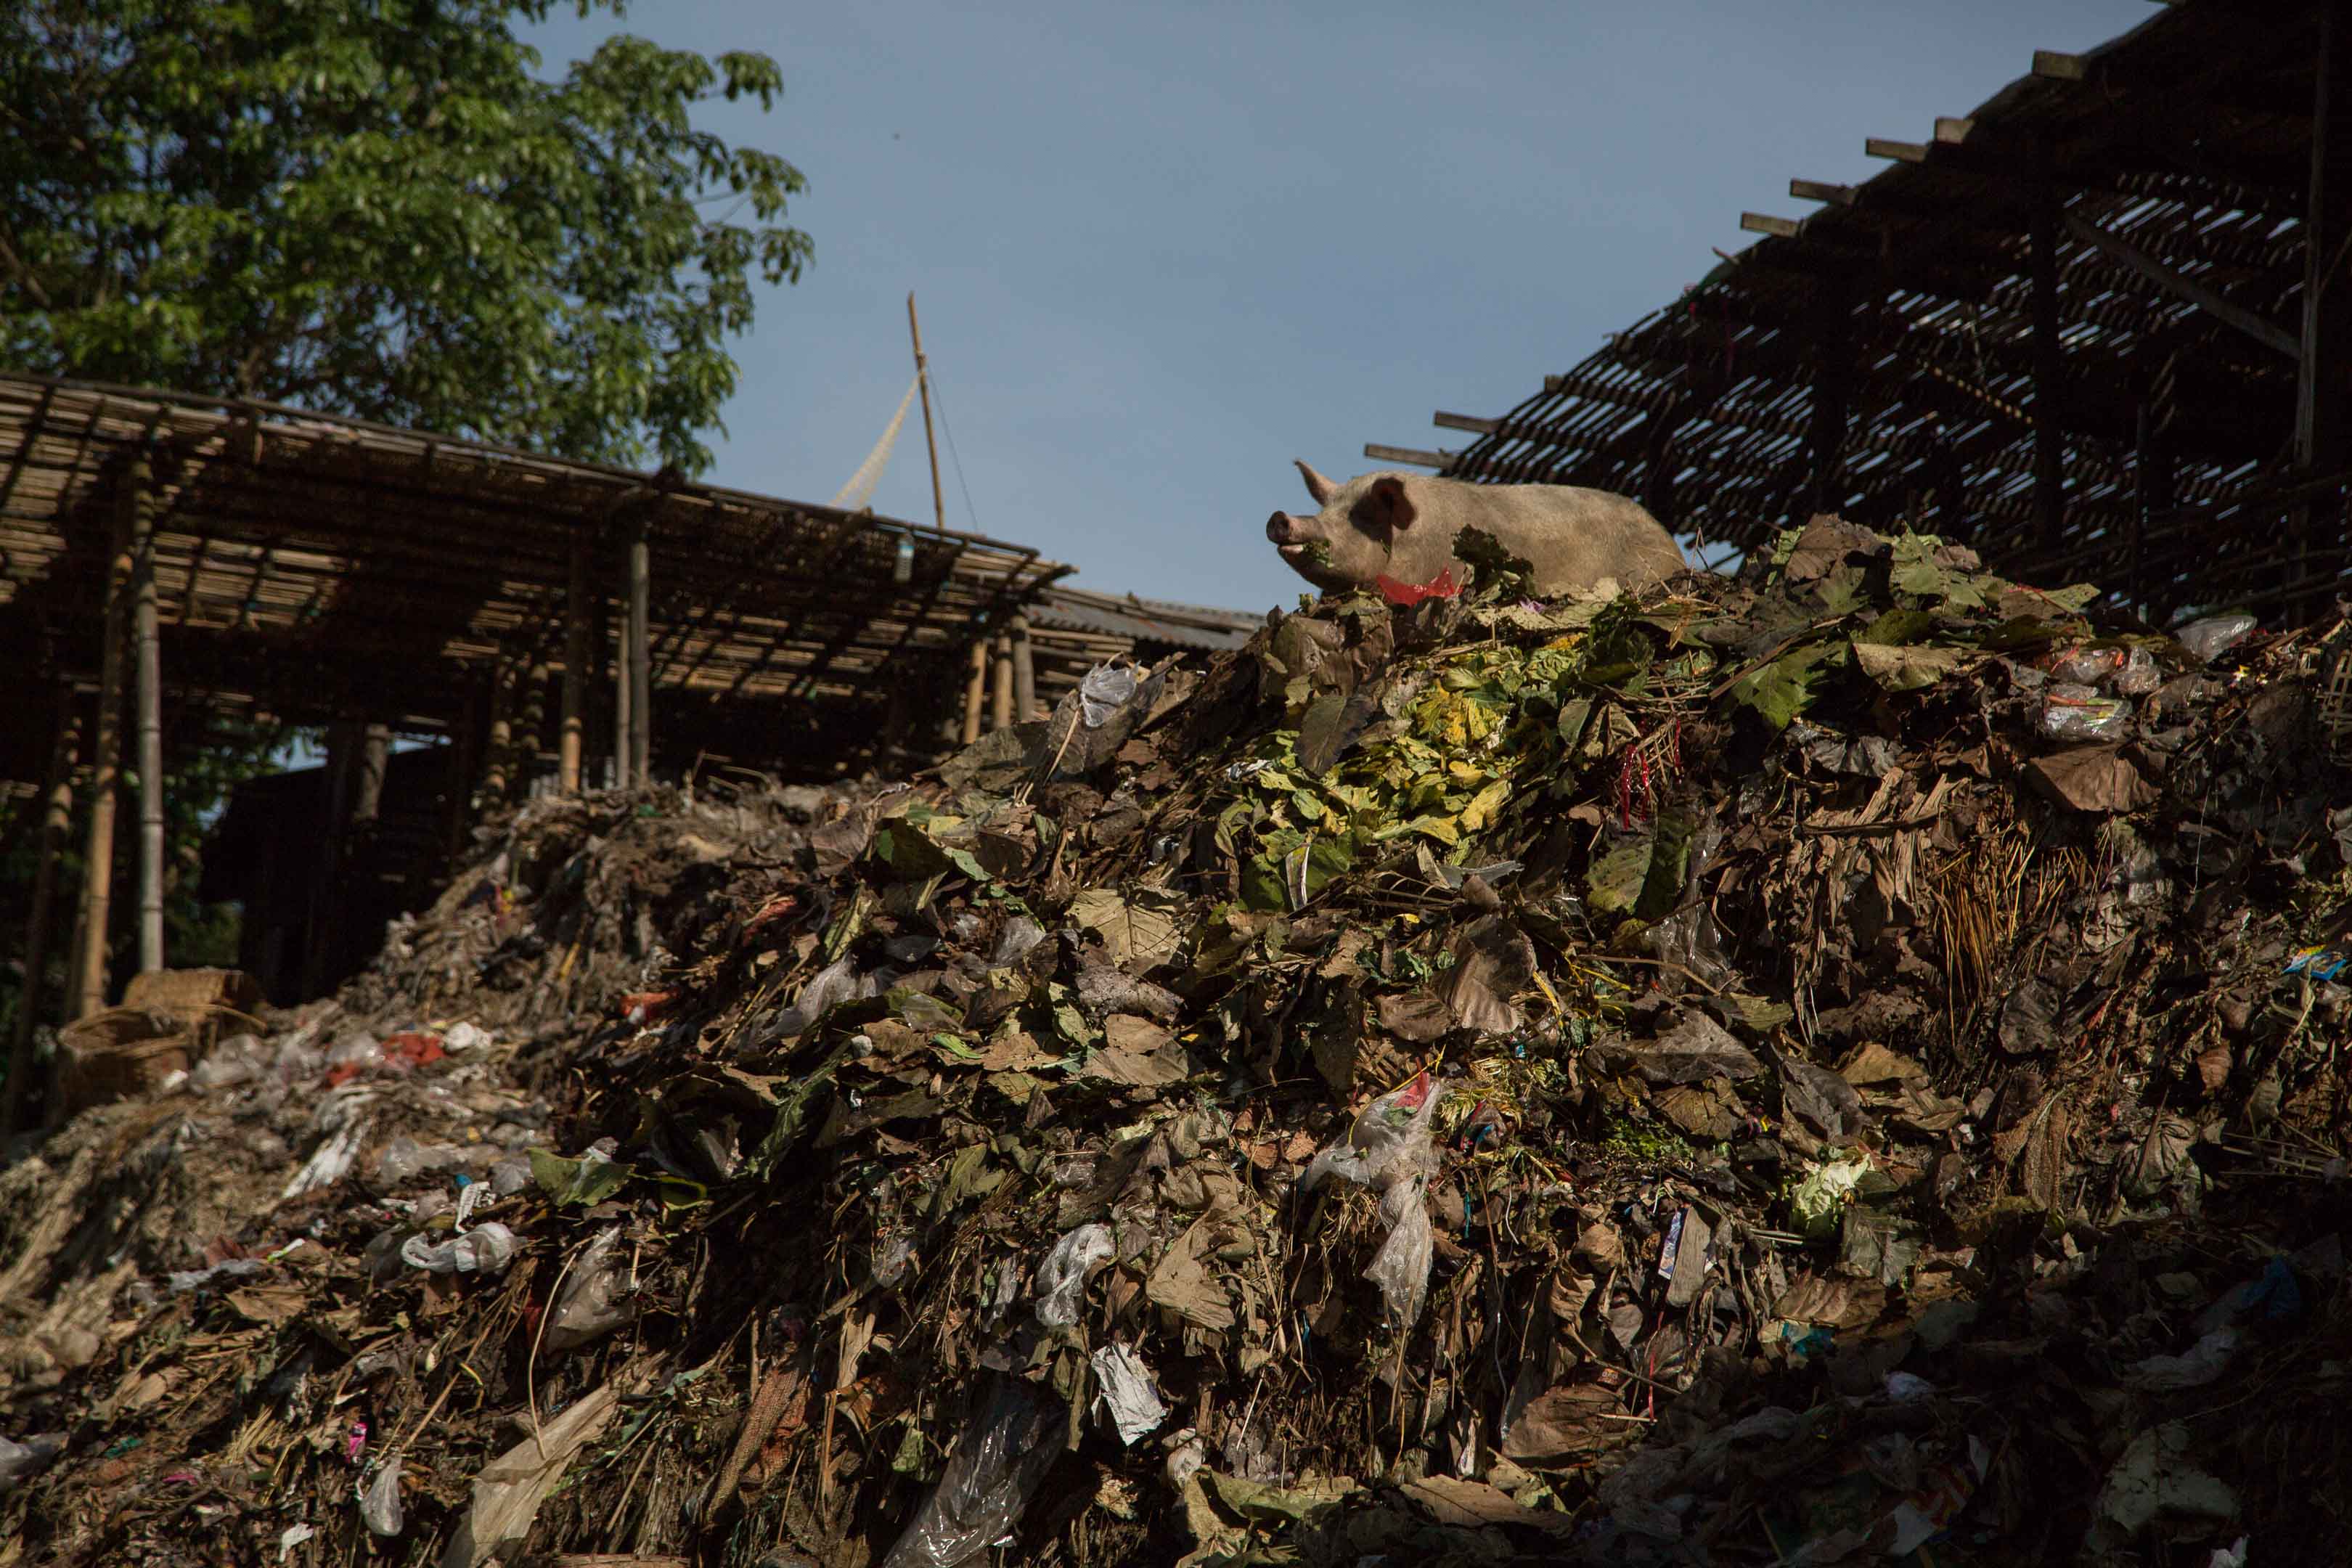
<point x="1386" y="507"/>
<point x="1321" y="489"/>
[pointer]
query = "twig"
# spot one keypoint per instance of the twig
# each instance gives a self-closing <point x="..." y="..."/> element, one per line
<point x="530" y="1363"/>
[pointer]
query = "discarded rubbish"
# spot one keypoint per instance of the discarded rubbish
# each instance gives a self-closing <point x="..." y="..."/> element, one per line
<point x="487" y="1249"/>
<point x="2210" y="639"/>
<point x="596" y="1294"/>
<point x="1603" y="1078"/>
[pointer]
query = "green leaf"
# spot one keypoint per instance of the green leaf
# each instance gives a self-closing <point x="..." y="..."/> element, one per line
<point x="1781" y="689"/>
<point x="588" y="1180"/>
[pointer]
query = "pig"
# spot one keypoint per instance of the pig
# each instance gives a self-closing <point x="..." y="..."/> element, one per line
<point x="1404" y="526"/>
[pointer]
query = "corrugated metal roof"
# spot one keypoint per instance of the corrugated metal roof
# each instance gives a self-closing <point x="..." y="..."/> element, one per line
<point x="1144" y="620"/>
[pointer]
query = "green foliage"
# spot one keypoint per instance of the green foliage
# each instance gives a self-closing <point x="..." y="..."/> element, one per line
<point x="381" y="209"/>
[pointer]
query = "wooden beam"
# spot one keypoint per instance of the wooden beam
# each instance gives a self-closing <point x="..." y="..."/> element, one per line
<point x="2050" y="65"/>
<point x="149" y="695"/>
<point x="57" y="826"/>
<point x="640" y="651"/>
<point x="2323" y="411"/>
<point x="1475" y="426"/>
<point x="575" y="670"/>
<point x="2049" y="371"/>
<point x="2123" y="251"/>
<point x="1413" y="454"/>
<point x="1822" y="191"/>
<point x="1900" y="152"/>
<point x="1951" y="129"/>
<point x="1024" y="673"/>
<point x="1764" y="223"/>
<point x="106" y="768"/>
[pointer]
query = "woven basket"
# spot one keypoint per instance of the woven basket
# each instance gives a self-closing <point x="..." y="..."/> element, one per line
<point x="120" y="1053"/>
<point x="207" y="1003"/>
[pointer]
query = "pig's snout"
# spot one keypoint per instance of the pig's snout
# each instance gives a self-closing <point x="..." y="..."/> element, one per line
<point x="1282" y="529"/>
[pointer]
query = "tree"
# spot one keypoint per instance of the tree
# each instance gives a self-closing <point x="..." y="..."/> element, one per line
<point x="378" y="207"/>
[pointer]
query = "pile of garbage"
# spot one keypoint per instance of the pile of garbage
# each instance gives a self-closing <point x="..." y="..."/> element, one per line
<point x="1837" y="1064"/>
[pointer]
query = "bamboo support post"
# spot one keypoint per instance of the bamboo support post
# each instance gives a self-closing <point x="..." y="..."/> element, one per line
<point x="149" y="696"/>
<point x="106" y="765"/>
<point x="1024" y="673"/>
<point x="498" y="759"/>
<point x="575" y="670"/>
<point x="57" y="826"/>
<point x="640" y="651"/>
<point x="1000" y="706"/>
<point x="976" y="692"/>
<point x="923" y="382"/>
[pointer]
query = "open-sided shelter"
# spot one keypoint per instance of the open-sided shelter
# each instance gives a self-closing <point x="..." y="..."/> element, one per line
<point x="2100" y="328"/>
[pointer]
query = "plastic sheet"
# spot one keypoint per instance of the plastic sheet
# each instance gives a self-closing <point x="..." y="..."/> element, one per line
<point x="1126" y="1393"/>
<point x="1102" y="692"/>
<point x="995" y="1469"/>
<point x="485" y="1249"/>
<point x="2071" y="712"/>
<point x="379" y="1508"/>
<point x="1061" y="1278"/>
<point x="404" y="1159"/>
<point x="2214" y="635"/>
<point x="1389" y="1150"/>
<point x="596" y="1297"/>
<point x="239" y="1060"/>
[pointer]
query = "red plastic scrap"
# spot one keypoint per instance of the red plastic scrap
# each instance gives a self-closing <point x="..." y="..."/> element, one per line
<point x="775" y="909"/>
<point x="1441" y="586"/>
<point x="403" y="1052"/>
<point x="646" y="1006"/>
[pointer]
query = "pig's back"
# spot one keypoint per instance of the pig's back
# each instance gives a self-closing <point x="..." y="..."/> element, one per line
<point x="1575" y="537"/>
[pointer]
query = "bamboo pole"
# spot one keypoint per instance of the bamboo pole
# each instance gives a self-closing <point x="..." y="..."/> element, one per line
<point x="976" y="692"/>
<point x="106" y="765"/>
<point x="1024" y="673"/>
<point x="376" y="756"/>
<point x="575" y="669"/>
<point x="923" y="382"/>
<point x="57" y="825"/>
<point x="499" y="752"/>
<point x="150" y="698"/>
<point x="999" y="708"/>
<point x="641" y="673"/>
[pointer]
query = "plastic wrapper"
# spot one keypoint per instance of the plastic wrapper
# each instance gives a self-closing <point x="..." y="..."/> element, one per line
<point x="596" y="1297"/>
<point x="2071" y="712"/>
<point x="1126" y="1395"/>
<point x="1020" y="935"/>
<point x="239" y="1059"/>
<point x="1389" y="1150"/>
<point x="1102" y="692"/>
<point x="485" y="1249"/>
<point x="1003" y="1455"/>
<point x="404" y="1159"/>
<point x="510" y="1177"/>
<point x="379" y="1508"/>
<point x="2210" y="637"/>
<point x="1061" y="1278"/>
<point x="836" y="983"/>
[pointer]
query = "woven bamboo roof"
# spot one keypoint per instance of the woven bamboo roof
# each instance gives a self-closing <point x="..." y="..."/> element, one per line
<point x="318" y="567"/>
<point x="2171" y="171"/>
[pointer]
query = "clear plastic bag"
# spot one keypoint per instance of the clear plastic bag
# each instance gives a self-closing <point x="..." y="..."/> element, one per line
<point x="239" y="1060"/>
<point x="1061" y="1278"/>
<point x="404" y="1159"/>
<point x="2210" y="637"/>
<point x="596" y="1297"/>
<point x="485" y="1249"/>
<point x="996" y="1468"/>
<point x="379" y="1508"/>
<point x="2070" y="712"/>
<point x="1389" y="1150"/>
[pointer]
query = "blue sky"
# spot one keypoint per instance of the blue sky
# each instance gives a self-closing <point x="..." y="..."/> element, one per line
<point x="1161" y="250"/>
